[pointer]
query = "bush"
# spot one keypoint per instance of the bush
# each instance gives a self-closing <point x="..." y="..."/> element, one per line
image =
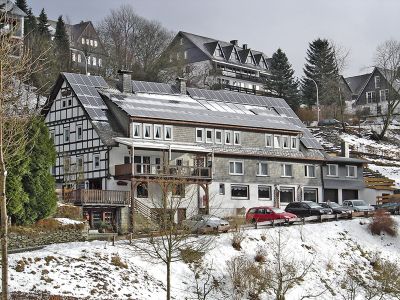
<point x="237" y="239"/>
<point x="260" y="256"/>
<point x="69" y="211"/>
<point x="116" y="261"/>
<point x="383" y="223"/>
<point x="190" y="255"/>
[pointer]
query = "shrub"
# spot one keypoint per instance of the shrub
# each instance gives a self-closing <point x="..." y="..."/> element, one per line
<point x="383" y="223"/>
<point x="237" y="239"/>
<point x="190" y="255"/>
<point x="116" y="261"/>
<point x="69" y="211"/>
<point x="20" y="267"/>
<point x="260" y="256"/>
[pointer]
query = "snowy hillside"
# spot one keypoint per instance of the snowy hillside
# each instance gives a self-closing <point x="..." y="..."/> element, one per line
<point x="97" y="270"/>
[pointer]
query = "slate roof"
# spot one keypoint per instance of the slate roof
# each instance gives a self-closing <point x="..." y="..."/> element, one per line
<point x="208" y="45"/>
<point x="356" y="83"/>
<point x="341" y="159"/>
<point x="10" y="7"/>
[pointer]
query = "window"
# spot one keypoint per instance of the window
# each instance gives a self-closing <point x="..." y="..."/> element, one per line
<point x="268" y="140"/>
<point x="287" y="170"/>
<point x="309" y="171"/>
<point x="91" y="42"/>
<point x="294" y="142"/>
<point x="64" y="103"/>
<point x="79" y="164"/>
<point x="332" y="170"/>
<point x="228" y="138"/>
<point x="262" y="169"/>
<point x="236" y="138"/>
<point x="83" y="41"/>
<point x="239" y="191"/>
<point x="147" y="131"/>
<point x="95" y="43"/>
<point x="218" y="52"/>
<point x="222" y="188"/>
<point x="79" y="58"/>
<point x="66" y="135"/>
<point x="168" y="133"/>
<point x="70" y="102"/>
<point x="370" y="97"/>
<point x="285" y="142"/>
<point x="87" y="42"/>
<point x="142" y="190"/>
<point x="100" y="62"/>
<point x="199" y="135"/>
<point x="218" y="136"/>
<point x="73" y="56"/>
<point x="178" y="56"/>
<point x="377" y="82"/>
<point x="249" y="59"/>
<point x="351" y="171"/>
<point x="264" y="192"/>
<point x="178" y="190"/>
<point x="277" y="141"/>
<point x="310" y="194"/>
<point x="67" y="164"/>
<point x="286" y="194"/>
<point x="236" y="168"/>
<point x="96" y="161"/>
<point x="89" y="60"/>
<point x="137" y="130"/>
<point x="94" y="61"/>
<point x="79" y="132"/>
<point x="209" y="136"/>
<point x="179" y="162"/>
<point x="383" y="95"/>
<point x="185" y="54"/>
<point x="157" y="132"/>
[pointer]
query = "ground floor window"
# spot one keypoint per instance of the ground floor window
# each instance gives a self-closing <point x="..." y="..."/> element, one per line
<point x="178" y="190"/>
<point x="349" y="194"/>
<point x="222" y="189"/>
<point x="264" y="192"/>
<point x="240" y="191"/>
<point x="310" y="194"/>
<point x="286" y="194"/>
<point x="142" y="190"/>
<point x="331" y="195"/>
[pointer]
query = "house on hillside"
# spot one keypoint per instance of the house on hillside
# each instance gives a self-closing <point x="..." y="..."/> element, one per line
<point x="370" y="91"/>
<point x="233" y="150"/>
<point x="214" y="63"/>
<point x="12" y="22"/>
<point x="85" y="47"/>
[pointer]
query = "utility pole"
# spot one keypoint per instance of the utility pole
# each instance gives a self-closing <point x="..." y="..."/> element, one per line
<point x="316" y="85"/>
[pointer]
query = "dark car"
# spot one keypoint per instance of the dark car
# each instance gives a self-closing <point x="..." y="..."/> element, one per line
<point x="267" y="213"/>
<point x="307" y="208"/>
<point x="329" y="122"/>
<point x="336" y="208"/>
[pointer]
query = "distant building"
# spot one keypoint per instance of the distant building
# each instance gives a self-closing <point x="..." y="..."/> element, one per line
<point x="85" y="44"/>
<point x="12" y="23"/>
<point x="221" y="64"/>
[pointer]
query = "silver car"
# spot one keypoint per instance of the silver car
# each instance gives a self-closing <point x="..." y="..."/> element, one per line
<point x="358" y="205"/>
<point x="205" y="224"/>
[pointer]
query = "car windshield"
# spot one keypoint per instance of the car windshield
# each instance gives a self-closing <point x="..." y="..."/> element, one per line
<point x="313" y="204"/>
<point x="277" y="210"/>
<point x="211" y="218"/>
<point x="334" y="205"/>
<point x="359" y="203"/>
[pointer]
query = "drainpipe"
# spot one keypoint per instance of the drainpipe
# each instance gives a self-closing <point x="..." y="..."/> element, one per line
<point x="322" y="181"/>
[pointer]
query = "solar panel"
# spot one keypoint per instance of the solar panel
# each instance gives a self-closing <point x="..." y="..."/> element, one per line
<point x="153" y="88"/>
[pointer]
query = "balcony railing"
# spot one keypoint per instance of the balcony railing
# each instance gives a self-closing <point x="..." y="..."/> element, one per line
<point x="243" y="90"/>
<point x="171" y="171"/>
<point x="97" y="197"/>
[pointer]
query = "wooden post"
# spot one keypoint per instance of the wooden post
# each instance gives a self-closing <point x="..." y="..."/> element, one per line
<point x="336" y="217"/>
<point x="130" y="238"/>
<point x="320" y="218"/>
<point x="113" y="240"/>
<point x="207" y="199"/>
<point x="255" y="225"/>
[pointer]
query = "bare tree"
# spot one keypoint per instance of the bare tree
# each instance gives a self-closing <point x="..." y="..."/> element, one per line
<point x="387" y="59"/>
<point x="172" y="242"/>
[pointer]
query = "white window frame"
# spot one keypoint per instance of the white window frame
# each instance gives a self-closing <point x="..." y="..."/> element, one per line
<point x="307" y="171"/>
<point x="259" y="168"/>
<point x="377" y="80"/>
<point x="348" y="167"/>
<point x="234" y="162"/>
<point x="218" y="141"/>
<point x="87" y="42"/>
<point x="328" y="173"/>
<point x="383" y="94"/>
<point x="234" y="138"/>
<point x="140" y="130"/>
<point x="79" y="137"/>
<point x="150" y="131"/>
<point x="228" y="132"/>
<point x="270" y="192"/>
<point x="155" y="126"/>
<point x="221" y="189"/>
<point x="185" y="54"/>
<point x="166" y="129"/>
<point x="79" y="58"/>
<point x="91" y="43"/>
<point x="209" y="140"/>
<point x="100" y="62"/>
<point x="200" y="140"/>
<point x="94" y="61"/>
<point x="241" y="185"/>
<point x="83" y="41"/>
<point x="284" y="170"/>
<point x="80" y="159"/>
<point x="95" y="43"/>
<point x="67" y="135"/>
<point x="293" y="139"/>
<point x="96" y="156"/>
<point x="277" y="141"/>
<point x="311" y="188"/>
<point x="270" y="138"/>
<point x="370" y="99"/>
<point x="73" y="56"/>
<point x="287" y="139"/>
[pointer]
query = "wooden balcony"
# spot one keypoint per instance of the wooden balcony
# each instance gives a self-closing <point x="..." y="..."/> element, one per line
<point x="97" y="197"/>
<point x="169" y="171"/>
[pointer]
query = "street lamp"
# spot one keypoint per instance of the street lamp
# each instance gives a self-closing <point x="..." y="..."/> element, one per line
<point x="86" y="61"/>
<point x="316" y="85"/>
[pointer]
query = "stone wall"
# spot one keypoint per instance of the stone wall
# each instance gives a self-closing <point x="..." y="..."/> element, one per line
<point x="22" y="238"/>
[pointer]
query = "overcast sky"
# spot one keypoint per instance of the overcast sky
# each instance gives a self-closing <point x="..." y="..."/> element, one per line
<point x="265" y="25"/>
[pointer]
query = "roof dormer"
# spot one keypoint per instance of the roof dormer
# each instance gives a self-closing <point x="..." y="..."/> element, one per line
<point x="218" y="51"/>
<point x="234" y="55"/>
<point x="250" y="58"/>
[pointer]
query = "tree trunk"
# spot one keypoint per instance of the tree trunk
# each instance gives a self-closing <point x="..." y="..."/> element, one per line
<point x="385" y="128"/>
<point x="168" y="279"/>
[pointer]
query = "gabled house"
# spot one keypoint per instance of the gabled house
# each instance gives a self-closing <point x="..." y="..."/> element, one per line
<point x="12" y="22"/>
<point x="225" y="65"/>
<point x="234" y="150"/>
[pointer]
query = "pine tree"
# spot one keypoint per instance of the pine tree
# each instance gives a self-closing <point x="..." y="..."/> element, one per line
<point x="22" y="5"/>
<point x="61" y="46"/>
<point x="30" y="23"/>
<point x="320" y="67"/>
<point x="282" y="83"/>
<point x="43" y="26"/>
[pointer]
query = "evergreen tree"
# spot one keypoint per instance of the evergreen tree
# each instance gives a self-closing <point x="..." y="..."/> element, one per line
<point x="282" y="83"/>
<point x="61" y="46"/>
<point x="320" y="67"/>
<point x="30" y="23"/>
<point x="43" y="26"/>
<point x="22" y="5"/>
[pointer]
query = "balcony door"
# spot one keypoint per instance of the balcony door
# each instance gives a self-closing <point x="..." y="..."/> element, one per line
<point x="142" y="164"/>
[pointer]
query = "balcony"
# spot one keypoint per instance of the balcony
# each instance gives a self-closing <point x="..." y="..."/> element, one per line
<point x="97" y="197"/>
<point x="162" y="171"/>
<point x="243" y="90"/>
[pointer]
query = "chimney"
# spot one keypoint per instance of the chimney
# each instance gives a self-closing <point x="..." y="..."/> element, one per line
<point x="244" y="46"/>
<point x="125" y="81"/>
<point x="181" y="85"/>
<point x="345" y="149"/>
<point x="234" y="42"/>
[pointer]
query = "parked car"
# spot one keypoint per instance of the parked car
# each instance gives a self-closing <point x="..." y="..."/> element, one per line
<point x="392" y="207"/>
<point x="205" y="224"/>
<point x="267" y="213"/>
<point x="329" y="122"/>
<point x="358" y="205"/>
<point x="307" y="208"/>
<point x="336" y="208"/>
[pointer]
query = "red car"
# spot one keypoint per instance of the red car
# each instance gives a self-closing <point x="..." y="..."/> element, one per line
<point x="267" y="213"/>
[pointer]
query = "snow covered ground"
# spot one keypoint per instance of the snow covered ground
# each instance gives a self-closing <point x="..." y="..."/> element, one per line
<point x="97" y="270"/>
